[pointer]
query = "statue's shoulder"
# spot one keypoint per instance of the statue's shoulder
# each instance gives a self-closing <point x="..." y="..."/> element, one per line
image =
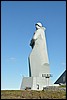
<point x="40" y="30"/>
<point x="36" y="31"/>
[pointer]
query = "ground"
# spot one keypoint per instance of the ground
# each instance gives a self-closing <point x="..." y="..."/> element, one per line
<point x="31" y="94"/>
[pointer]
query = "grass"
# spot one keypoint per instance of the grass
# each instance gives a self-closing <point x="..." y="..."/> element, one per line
<point x="62" y="86"/>
<point x="31" y="94"/>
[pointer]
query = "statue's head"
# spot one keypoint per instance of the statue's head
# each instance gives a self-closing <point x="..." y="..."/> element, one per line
<point x="38" y="25"/>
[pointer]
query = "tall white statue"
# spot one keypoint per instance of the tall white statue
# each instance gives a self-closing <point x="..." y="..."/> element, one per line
<point x="39" y="70"/>
<point x="38" y="58"/>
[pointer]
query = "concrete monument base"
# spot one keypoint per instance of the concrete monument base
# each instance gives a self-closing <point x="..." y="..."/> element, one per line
<point x="36" y="83"/>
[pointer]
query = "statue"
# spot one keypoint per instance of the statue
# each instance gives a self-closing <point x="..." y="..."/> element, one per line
<point x="38" y="59"/>
<point x="39" y="70"/>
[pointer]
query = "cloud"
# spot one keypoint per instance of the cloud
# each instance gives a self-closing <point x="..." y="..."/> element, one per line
<point x="64" y="64"/>
<point x="11" y="59"/>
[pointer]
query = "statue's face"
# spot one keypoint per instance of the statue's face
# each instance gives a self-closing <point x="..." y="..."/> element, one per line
<point x="37" y="27"/>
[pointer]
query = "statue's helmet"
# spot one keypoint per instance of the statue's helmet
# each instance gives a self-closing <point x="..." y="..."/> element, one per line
<point x="38" y="25"/>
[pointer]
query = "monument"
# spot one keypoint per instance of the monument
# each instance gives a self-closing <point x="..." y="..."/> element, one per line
<point x="38" y="58"/>
<point x="39" y="68"/>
